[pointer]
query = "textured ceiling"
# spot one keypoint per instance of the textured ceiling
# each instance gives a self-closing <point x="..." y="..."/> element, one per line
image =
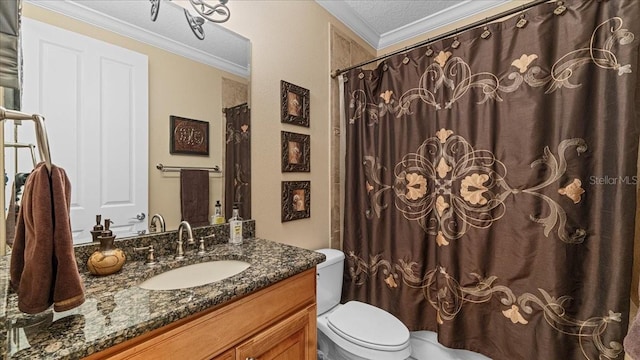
<point x="386" y="16"/>
<point x="383" y="23"/>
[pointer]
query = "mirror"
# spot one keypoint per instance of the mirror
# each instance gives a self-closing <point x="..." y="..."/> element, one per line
<point x="187" y="77"/>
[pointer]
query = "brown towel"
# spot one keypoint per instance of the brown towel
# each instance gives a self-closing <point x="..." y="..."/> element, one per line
<point x="43" y="265"/>
<point x="194" y="196"/>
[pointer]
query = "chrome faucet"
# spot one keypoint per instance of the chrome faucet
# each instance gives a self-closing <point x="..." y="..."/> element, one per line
<point x="152" y="223"/>
<point x="180" y="252"/>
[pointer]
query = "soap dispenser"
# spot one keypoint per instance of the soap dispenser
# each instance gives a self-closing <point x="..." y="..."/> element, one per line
<point x="217" y="217"/>
<point x="97" y="228"/>
<point x="108" y="259"/>
<point x="235" y="226"/>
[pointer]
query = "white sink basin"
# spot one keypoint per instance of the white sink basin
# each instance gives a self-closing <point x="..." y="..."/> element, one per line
<point x="194" y="275"/>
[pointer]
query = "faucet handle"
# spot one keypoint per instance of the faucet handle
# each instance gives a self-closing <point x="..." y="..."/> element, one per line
<point x="201" y="250"/>
<point x="179" y="251"/>
<point x="150" y="258"/>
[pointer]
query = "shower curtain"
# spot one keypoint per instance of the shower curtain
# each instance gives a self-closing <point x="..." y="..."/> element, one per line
<point x="491" y="183"/>
<point x="237" y="183"/>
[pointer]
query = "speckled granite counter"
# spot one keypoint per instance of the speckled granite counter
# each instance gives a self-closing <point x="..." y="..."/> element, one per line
<point x="117" y="310"/>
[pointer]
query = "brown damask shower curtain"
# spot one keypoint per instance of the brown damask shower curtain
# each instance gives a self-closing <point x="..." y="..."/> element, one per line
<point x="490" y="183"/>
<point x="237" y="184"/>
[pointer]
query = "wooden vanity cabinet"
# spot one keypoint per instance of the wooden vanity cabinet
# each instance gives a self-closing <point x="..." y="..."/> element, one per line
<point x="275" y="323"/>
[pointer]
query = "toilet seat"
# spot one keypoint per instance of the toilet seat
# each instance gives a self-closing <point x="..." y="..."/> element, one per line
<point x="368" y="326"/>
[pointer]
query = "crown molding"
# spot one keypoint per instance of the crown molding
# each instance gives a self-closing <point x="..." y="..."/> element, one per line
<point x="437" y="20"/>
<point x="352" y="20"/>
<point x="96" y="18"/>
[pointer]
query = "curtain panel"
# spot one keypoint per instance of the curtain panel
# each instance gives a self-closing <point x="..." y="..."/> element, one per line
<point x="237" y="183"/>
<point x="491" y="183"/>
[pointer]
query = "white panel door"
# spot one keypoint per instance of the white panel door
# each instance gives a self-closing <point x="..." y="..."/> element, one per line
<point x="94" y="97"/>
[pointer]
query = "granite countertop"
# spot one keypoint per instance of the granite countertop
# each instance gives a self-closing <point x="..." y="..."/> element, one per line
<point x="116" y="309"/>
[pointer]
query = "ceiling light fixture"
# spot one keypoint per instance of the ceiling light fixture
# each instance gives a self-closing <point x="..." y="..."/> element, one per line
<point x="212" y="10"/>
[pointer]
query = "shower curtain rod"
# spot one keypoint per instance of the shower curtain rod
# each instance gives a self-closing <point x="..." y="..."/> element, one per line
<point x="445" y="35"/>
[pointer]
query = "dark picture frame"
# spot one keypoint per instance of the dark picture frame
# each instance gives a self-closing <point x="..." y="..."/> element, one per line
<point x="296" y="152"/>
<point x="296" y="200"/>
<point x="189" y="136"/>
<point x="294" y="104"/>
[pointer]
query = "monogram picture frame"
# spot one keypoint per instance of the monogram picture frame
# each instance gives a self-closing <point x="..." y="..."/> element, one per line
<point x="188" y="136"/>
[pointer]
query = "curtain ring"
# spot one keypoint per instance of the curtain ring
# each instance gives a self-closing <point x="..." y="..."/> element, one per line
<point x="361" y="76"/>
<point x="429" y="51"/>
<point x="560" y="9"/>
<point x="405" y="60"/>
<point x="385" y="67"/>
<point x="486" y="34"/>
<point x="455" y="44"/>
<point x="522" y="22"/>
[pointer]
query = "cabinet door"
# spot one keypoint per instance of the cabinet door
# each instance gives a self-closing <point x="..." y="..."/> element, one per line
<point x="291" y="339"/>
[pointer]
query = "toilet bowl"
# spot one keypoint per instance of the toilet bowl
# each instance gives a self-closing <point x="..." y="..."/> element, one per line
<point x="355" y="330"/>
<point x="425" y="346"/>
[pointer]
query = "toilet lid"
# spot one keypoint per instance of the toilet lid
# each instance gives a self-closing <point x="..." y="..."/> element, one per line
<point x="368" y="326"/>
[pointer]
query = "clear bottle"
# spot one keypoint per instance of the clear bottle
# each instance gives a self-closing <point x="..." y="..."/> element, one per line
<point x="235" y="226"/>
<point x="217" y="217"/>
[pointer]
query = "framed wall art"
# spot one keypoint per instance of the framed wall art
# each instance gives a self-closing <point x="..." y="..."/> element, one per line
<point x="294" y="104"/>
<point x="296" y="200"/>
<point x="188" y="136"/>
<point x="296" y="152"/>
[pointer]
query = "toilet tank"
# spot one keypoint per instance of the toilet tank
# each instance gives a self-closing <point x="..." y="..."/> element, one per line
<point x="329" y="279"/>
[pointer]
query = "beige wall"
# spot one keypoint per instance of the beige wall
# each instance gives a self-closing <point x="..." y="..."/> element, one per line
<point x="177" y="86"/>
<point x="290" y="41"/>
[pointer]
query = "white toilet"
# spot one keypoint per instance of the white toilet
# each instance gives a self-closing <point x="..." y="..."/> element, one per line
<point x="355" y="330"/>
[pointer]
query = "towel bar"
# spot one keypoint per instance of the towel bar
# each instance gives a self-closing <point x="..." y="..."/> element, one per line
<point x="41" y="131"/>
<point x="22" y="146"/>
<point x="165" y="168"/>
